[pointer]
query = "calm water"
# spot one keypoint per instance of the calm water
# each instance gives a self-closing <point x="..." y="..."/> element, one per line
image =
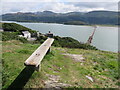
<point x="105" y="38"/>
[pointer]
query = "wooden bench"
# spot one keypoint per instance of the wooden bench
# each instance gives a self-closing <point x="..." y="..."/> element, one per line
<point x="37" y="56"/>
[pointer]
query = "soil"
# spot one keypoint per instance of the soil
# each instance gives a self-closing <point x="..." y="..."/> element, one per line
<point x="53" y="82"/>
<point x="76" y="57"/>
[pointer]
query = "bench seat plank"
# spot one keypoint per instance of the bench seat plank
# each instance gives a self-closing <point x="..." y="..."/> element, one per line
<point x="37" y="56"/>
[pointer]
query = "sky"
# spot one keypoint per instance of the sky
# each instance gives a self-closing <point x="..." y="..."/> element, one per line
<point x="58" y="6"/>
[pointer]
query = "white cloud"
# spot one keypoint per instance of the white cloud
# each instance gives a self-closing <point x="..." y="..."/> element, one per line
<point x="93" y="9"/>
<point x="29" y="0"/>
<point x="60" y="0"/>
<point x="10" y="6"/>
<point x="97" y="5"/>
<point x="91" y="0"/>
<point x="60" y="7"/>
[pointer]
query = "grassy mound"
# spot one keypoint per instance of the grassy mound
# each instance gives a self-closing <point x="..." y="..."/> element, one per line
<point x="101" y="66"/>
<point x="15" y="27"/>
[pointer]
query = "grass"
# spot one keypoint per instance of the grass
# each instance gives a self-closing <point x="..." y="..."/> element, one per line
<point x="13" y="57"/>
<point x="100" y="65"/>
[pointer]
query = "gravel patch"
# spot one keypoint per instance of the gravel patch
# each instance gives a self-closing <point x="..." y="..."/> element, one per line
<point x="76" y="57"/>
<point x="53" y="82"/>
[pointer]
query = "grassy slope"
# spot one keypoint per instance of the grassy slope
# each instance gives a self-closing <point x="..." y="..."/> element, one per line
<point x="104" y="72"/>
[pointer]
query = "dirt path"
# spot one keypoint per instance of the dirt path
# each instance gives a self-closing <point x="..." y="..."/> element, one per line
<point x="53" y="82"/>
<point x="76" y="57"/>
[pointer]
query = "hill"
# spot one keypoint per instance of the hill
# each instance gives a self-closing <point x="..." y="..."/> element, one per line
<point x="70" y="63"/>
<point x="61" y="68"/>
<point x="12" y="30"/>
<point x="93" y="17"/>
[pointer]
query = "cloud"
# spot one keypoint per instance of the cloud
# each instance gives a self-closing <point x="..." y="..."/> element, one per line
<point x="34" y="6"/>
<point x="59" y="6"/>
<point x="97" y="5"/>
<point x="29" y="0"/>
<point x="60" y="0"/>
<point x="11" y="7"/>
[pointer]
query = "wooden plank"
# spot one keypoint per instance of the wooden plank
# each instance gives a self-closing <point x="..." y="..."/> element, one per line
<point x="37" y="56"/>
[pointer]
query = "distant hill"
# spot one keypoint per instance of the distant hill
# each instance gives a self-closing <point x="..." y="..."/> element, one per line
<point x="93" y="17"/>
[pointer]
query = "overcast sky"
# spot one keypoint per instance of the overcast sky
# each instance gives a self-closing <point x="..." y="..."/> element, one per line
<point x="59" y="6"/>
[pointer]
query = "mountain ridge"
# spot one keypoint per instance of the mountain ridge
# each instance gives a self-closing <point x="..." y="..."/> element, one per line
<point x="93" y="17"/>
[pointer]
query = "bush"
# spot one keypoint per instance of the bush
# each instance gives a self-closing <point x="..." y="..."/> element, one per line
<point x="41" y="39"/>
<point x="24" y="51"/>
<point x="12" y="36"/>
<point x="22" y="39"/>
<point x="9" y="36"/>
<point x="13" y="27"/>
<point x="71" y="43"/>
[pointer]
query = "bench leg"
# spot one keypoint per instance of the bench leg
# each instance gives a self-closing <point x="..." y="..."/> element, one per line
<point x="38" y="68"/>
<point x="48" y="51"/>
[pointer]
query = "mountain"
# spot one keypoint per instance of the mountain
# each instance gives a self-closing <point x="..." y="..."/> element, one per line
<point x="102" y="17"/>
<point x="93" y="17"/>
<point x="45" y="13"/>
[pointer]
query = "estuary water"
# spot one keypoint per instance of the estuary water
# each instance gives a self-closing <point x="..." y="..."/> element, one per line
<point x="105" y="38"/>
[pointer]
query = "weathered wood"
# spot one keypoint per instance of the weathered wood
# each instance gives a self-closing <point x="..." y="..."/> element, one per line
<point x="37" y="56"/>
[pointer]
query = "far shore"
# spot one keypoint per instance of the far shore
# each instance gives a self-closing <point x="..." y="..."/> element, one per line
<point x="103" y="25"/>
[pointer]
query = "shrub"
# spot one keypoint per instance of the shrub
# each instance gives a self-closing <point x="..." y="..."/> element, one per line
<point x="15" y="27"/>
<point x="24" y="40"/>
<point x="23" y="51"/>
<point x="41" y="39"/>
<point x="12" y="36"/>
<point x="71" y="43"/>
<point x="9" y="36"/>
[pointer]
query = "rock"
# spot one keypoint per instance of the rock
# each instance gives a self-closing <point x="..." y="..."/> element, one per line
<point x="81" y="64"/>
<point x="90" y="78"/>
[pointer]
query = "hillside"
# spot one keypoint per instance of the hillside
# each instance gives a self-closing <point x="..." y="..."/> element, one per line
<point x="12" y="30"/>
<point x="69" y="64"/>
<point x="60" y="68"/>
<point x="77" y="18"/>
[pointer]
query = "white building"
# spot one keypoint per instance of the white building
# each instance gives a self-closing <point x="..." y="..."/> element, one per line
<point x="26" y="34"/>
<point x="1" y="30"/>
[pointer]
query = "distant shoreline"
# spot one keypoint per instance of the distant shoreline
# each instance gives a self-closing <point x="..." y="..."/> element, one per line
<point x="103" y="25"/>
